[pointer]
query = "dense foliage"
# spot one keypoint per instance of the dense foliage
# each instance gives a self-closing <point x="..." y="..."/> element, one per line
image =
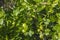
<point x="30" y="20"/>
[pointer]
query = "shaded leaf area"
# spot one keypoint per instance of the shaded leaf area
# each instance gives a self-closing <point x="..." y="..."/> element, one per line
<point x="30" y="20"/>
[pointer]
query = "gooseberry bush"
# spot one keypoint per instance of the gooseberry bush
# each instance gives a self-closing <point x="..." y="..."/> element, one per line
<point x="30" y="20"/>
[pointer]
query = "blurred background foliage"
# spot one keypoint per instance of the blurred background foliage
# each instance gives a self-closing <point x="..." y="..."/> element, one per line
<point x="29" y="19"/>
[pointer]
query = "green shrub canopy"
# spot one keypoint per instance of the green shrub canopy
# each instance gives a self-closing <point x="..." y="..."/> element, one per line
<point x="30" y="20"/>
